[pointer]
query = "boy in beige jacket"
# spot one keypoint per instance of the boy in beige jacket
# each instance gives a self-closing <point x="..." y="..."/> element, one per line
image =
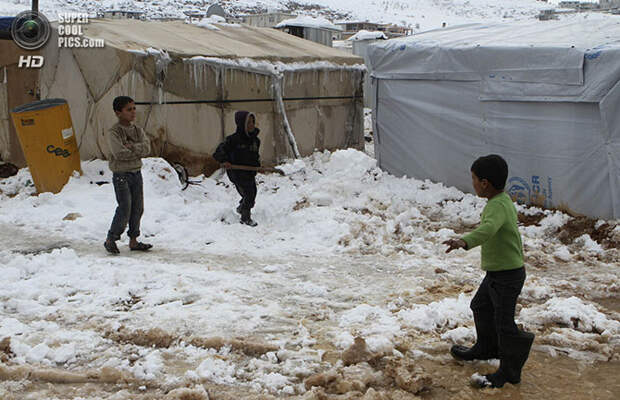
<point x="128" y="145"/>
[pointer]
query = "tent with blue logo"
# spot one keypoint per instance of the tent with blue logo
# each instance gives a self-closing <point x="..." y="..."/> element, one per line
<point x="543" y="94"/>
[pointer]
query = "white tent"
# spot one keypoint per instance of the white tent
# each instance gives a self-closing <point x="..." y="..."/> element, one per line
<point x="545" y="95"/>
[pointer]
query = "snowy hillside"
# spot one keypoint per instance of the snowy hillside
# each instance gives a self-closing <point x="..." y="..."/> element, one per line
<point x="428" y="14"/>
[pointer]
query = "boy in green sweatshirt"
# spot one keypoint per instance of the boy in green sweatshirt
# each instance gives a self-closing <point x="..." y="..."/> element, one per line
<point x="502" y="259"/>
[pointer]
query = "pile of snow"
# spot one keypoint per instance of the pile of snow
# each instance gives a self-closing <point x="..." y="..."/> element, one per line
<point x="439" y="315"/>
<point x="306" y="21"/>
<point x="337" y="202"/>
<point x="368" y="35"/>
<point x="375" y="324"/>
<point x="209" y="23"/>
<point x="571" y="312"/>
<point x="20" y="185"/>
<point x="329" y="203"/>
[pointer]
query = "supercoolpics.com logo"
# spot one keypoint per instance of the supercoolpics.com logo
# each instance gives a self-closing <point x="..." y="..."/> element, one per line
<point x="71" y="32"/>
<point x="31" y="30"/>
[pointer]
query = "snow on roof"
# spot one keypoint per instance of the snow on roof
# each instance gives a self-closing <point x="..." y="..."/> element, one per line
<point x="368" y="35"/>
<point x="307" y="21"/>
<point x="582" y="31"/>
<point x="209" y="23"/>
<point x="358" y="22"/>
<point x="572" y="59"/>
<point x="238" y="41"/>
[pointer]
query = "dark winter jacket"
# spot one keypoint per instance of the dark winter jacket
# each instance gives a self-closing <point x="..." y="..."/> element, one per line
<point x="240" y="148"/>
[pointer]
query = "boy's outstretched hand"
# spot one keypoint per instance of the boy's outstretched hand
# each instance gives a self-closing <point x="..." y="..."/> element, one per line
<point x="455" y="244"/>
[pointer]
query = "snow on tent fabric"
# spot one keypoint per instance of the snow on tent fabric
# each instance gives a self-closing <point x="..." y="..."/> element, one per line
<point x="542" y="95"/>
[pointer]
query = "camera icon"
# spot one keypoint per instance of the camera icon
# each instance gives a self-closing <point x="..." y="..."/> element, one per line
<point x="30" y="30"/>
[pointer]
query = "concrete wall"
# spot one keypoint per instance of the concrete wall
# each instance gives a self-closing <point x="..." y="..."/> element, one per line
<point x="266" y="20"/>
<point x="322" y="36"/>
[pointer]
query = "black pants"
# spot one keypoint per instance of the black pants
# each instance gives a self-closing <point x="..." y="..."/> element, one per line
<point x="497" y="334"/>
<point x="130" y="199"/>
<point x="247" y="190"/>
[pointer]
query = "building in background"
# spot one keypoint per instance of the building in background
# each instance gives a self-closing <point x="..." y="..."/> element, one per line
<point x="266" y="20"/>
<point x="120" y="14"/>
<point x="547" y="15"/>
<point x="350" y="28"/>
<point x="569" y="4"/>
<point x="609" y="4"/>
<point x="318" y="30"/>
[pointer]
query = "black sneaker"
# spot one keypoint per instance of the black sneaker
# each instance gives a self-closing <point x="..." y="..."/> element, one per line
<point x="469" y="353"/>
<point x="111" y="247"/>
<point x="248" y="221"/>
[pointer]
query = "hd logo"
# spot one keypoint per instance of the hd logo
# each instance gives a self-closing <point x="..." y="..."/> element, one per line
<point x="30" y="30"/>
<point x="30" y="61"/>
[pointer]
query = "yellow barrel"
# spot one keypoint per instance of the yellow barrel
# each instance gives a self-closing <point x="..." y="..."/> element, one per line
<point x="47" y="138"/>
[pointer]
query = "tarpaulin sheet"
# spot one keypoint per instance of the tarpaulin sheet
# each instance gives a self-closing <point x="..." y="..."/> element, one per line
<point x="5" y="27"/>
<point x="545" y="95"/>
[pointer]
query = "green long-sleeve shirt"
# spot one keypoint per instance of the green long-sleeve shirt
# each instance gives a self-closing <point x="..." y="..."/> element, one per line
<point x="499" y="235"/>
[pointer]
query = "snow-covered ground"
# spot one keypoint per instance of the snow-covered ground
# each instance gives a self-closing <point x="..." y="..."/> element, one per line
<point x="342" y="250"/>
<point x="418" y="14"/>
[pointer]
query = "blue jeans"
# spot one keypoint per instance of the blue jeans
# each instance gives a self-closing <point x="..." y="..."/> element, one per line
<point x="130" y="199"/>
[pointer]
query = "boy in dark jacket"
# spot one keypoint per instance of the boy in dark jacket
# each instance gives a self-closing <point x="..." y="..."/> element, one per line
<point x="502" y="258"/>
<point x="241" y="148"/>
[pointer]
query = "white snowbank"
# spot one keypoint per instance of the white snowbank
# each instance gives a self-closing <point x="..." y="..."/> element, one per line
<point x="438" y="315"/>
<point x="571" y="312"/>
<point x="307" y="21"/>
<point x="368" y="35"/>
<point x="375" y="324"/>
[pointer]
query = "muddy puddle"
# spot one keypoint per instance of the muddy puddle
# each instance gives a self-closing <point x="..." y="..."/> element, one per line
<point x="544" y="377"/>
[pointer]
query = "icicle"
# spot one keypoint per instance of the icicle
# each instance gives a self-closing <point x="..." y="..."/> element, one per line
<point x="205" y="76"/>
<point x="194" y="74"/>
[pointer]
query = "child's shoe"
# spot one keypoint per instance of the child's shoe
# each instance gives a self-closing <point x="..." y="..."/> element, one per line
<point x="248" y="221"/>
<point x="469" y="353"/>
<point x="111" y="247"/>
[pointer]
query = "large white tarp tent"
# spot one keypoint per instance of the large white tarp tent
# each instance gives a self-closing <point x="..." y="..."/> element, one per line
<point x="545" y="95"/>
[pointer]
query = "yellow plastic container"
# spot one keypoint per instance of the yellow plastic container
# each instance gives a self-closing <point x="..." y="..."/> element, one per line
<point x="47" y="138"/>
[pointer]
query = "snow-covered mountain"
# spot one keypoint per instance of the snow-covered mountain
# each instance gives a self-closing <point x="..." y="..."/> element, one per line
<point x="427" y="14"/>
